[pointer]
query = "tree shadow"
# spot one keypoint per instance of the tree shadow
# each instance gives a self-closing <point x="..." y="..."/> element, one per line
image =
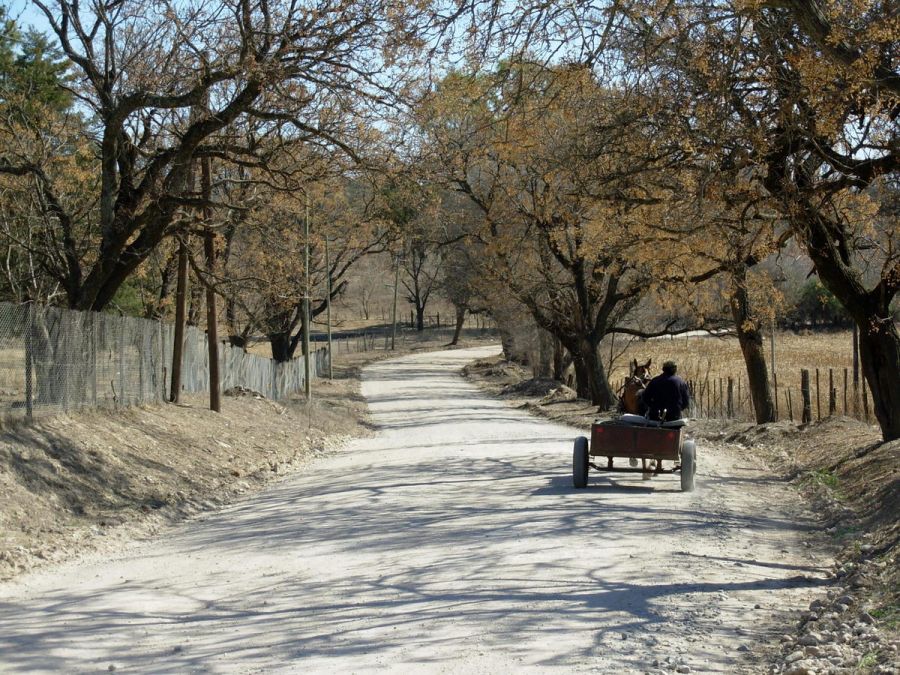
<point x="406" y="550"/>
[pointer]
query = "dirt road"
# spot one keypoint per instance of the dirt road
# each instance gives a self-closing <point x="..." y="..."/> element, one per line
<point x="451" y="541"/>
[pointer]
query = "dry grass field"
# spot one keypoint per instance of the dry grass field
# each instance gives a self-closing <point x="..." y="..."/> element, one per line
<point x="708" y="362"/>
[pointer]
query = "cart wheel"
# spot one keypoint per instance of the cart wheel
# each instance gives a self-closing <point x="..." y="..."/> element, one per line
<point x="580" y="463"/>
<point x="688" y="465"/>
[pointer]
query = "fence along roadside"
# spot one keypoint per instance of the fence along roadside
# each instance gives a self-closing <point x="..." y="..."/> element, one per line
<point x="55" y="360"/>
<point x="726" y="397"/>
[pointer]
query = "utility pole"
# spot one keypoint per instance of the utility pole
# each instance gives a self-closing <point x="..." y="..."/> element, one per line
<point x="180" y="312"/>
<point x="209" y="249"/>
<point x="307" y="384"/>
<point x="394" y="313"/>
<point x="181" y="291"/>
<point x="328" y="307"/>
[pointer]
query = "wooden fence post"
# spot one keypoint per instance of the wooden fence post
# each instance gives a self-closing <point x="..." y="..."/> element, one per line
<point x="730" y="397"/>
<point x="845" y="391"/>
<point x="709" y="411"/>
<point x="790" y="406"/>
<point x="692" y="407"/>
<point x="699" y="386"/>
<point x="832" y="393"/>
<point x="804" y="393"/>
<point x="818" y="397"/>
<point x="721" y="397"/>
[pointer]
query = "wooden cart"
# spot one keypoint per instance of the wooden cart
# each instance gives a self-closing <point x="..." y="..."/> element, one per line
<point x="635" y="438"/>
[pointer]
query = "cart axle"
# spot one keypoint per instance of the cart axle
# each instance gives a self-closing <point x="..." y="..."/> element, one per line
<point x="628" y="469"/>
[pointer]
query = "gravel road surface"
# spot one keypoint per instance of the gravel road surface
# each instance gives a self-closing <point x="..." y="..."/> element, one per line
<point x="451" y="541"/>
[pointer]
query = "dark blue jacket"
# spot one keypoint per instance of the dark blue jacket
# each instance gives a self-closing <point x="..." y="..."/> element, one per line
<point x="666" y="392"/>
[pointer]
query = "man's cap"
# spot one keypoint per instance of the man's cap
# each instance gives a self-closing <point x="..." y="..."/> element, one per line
<point x="670" y="365"/>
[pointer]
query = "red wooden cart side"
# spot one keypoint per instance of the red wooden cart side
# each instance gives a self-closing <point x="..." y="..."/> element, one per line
<point x="610" y="439"/>
<point x="650" y="442"/>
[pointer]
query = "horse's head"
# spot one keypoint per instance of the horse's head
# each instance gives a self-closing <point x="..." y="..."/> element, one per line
<point x="641" y="371"/>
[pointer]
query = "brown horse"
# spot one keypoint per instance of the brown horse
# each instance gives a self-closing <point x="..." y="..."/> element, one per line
<point x="631" y="403"/>
<point x="634" y="385"/>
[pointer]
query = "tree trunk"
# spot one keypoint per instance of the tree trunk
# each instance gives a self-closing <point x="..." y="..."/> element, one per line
<point x="460" y="320"/>
<point x="508" y="344"/>
<point x="544" y="364"/>
<point x="582" y="377"/>
<point x="560" y="359"/>
<point x="880" y="355"/>
<point x="750" y="339"/>
<point x="602" y="394"/>
<point x="591" y="382"/>
<point x="196" y="305"/>
<point x="420" y="318"/>
<point x="49" y="361"/>
<point x="156" y="310"/>
<point x="879" y="341"/>
<point x="238" y="340"/>
<point x="282" y="346"/>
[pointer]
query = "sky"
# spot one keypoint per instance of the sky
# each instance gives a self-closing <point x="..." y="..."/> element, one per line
<point x="27" y="15"/>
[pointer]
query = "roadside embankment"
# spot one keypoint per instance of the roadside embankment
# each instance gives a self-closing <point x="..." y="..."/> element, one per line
<point x="95" y="480"/>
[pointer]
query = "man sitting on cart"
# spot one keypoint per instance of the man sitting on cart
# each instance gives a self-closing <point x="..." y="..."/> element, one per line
<point x="666" y="394"/>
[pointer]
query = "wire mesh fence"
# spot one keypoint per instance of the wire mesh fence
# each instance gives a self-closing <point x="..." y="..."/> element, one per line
<point x="56" y="360"/>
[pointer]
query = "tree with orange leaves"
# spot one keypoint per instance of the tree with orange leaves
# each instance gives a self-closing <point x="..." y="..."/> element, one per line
<point x="567" y="174"/>
<point x="803" y="98"/>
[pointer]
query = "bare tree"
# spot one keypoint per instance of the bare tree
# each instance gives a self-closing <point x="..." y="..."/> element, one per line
<point x="167" y="82"/>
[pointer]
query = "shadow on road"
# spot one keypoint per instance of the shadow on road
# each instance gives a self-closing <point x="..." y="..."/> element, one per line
<point x="412" y="545"/>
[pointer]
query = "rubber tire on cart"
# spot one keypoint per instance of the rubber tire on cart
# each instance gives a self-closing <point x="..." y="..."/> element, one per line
<point x="688" y="465"/>
<point x="580" y="463"/>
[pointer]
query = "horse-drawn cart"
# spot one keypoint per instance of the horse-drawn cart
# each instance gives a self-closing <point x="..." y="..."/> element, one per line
<point x="637" y="439"/>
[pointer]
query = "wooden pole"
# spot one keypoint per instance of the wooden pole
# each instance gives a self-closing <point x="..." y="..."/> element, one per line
<point x="394" y="310"/>
<point x="209" y="250"/>
<point x="818" y="397"/>
<point x="708" y="399"/>
<point x="307" y="383"/>
<point x="775" y="388"/>
<point x="804" y="392"/>
<point x="845" y="391"/>
<point x="790" y="406"/>
<point x="328" y="309"/>
<point x="180" y="317"/>
<point x="730" y="397"/>
<point x="696" y="399"/>
<point x="832" y="393"/>
<point x="721" y="397"/>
